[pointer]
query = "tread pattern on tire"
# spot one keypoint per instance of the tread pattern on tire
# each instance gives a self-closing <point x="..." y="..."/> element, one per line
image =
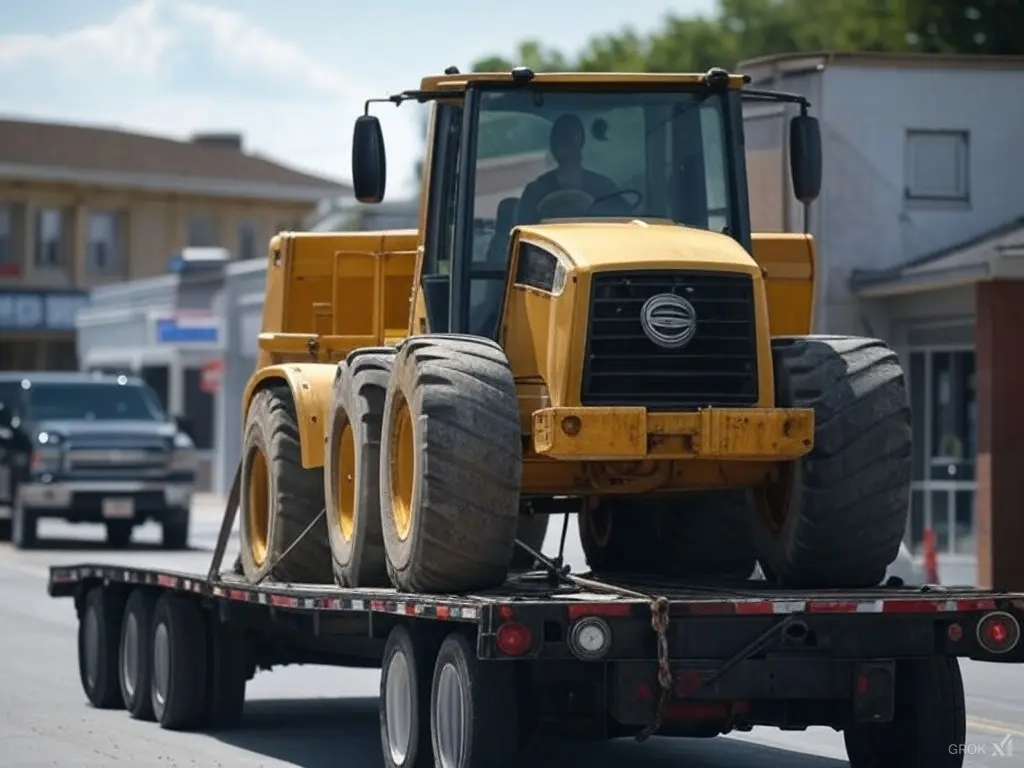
<point x="296" y="497"/>
<point x="105" y="693"/>
<point x="850" y="498"/>
<point x="185" y="706"/>
<point x="358" y="398"/>
<point x="141" y="603"/>
<point x="462" y="398"/>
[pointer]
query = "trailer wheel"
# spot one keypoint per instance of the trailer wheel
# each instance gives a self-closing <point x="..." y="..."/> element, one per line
<point x="98" y="642"/>
<point x="837" y="516"/>
<point x="930" y="716"/>
<point x="474" y="714"/>
<point x="136" y="655"/>
<point x="280" y="498"/>
<point x="119" y="534"/>
<point x="451" y="465"/>
<point x="174" y="536"/>
<point x="405" y="700"/>
<point x="352" y="468"/>
<point x="24" y="526"/>
<point x="228" y="673"/>
<point x="179" y="685"/>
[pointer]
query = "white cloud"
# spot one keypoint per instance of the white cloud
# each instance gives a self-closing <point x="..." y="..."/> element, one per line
<point x="135" y="72"/>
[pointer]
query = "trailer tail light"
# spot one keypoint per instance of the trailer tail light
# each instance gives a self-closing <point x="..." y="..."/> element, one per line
<point x="590" y="638"/>
<point x="998" y="632"/>
<point x="513" y="638"/>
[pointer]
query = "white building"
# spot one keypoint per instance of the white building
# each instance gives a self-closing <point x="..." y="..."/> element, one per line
<point x="921" y="206"/>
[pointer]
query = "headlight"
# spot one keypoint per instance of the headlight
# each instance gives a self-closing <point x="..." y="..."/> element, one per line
<point x="46" y="453"/>
<point x="183" y="458"/>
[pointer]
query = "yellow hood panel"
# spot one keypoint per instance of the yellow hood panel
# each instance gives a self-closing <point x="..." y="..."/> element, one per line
<point x="593" y="246"/>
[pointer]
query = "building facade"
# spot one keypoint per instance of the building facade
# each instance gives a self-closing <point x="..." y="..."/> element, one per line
<point x="919" y="229"/>
<point x="84" y="207"/>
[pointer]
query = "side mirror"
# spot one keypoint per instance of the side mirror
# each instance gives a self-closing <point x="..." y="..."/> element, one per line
<point x="805" y="157"/>
<point x="369" y="164"/>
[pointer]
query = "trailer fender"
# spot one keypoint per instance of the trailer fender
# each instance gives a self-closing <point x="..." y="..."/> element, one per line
<point x="310" y="385"/>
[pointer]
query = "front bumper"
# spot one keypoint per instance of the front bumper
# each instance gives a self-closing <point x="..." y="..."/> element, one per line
<point x="89" y="500"/>
<point x="626" y="433"/>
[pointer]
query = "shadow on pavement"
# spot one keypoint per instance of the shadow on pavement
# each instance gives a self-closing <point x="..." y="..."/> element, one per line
<point x="99" y="545"/>
<point x="327" y="732"/>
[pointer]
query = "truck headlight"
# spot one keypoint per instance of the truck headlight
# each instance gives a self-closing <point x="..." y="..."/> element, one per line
<point x="183" y="454"/>
<point x="46" y="453"/>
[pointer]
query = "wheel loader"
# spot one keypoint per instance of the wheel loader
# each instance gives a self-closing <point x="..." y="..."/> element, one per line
<point x="583" y="323"/>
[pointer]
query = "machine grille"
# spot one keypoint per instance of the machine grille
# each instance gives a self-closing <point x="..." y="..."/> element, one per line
<point x="718" y="367"/>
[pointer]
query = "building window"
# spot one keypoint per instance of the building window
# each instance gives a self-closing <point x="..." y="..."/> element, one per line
<point x="8" y="260"/>
<point x="199" y="409"/>
<point x="103" y="250"/>
<point x="249" y="240"/>
<point x="202" y="231"/>
<point x="937" y="166"/>
<point x="49" y="237"/>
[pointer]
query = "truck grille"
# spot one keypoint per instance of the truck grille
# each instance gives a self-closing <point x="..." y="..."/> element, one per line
<point x="717" y="368"/>
<point x="109" y="455"/>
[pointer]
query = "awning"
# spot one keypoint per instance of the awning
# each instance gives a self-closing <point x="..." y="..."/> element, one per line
<point x="996" y="255"/>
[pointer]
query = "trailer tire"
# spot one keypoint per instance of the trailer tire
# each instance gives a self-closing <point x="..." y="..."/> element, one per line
<point x="99" y="639"/>
<point x="930" y="717"/>
<point x="228" y="673"/>
<point x="451" y="465"/>
<point x="837" y="519"/>
<point x="24" y="526"/>
<point x="135" y="655"/>
<point x="280" y="499"/>
<point x="179" y="663"/>
<point x="487" y="732"/>
<point x="352" y="468"/>
<point x="702" y="534"/>
<point x="405" y="683"/>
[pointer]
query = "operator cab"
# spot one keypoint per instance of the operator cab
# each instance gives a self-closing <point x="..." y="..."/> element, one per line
<point x="523" y="148"/>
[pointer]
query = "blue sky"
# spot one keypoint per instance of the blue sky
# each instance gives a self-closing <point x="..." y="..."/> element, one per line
<point x="289" y="74"/>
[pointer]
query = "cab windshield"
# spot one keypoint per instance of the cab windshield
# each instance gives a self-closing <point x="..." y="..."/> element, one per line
<point x="556" y="154"/>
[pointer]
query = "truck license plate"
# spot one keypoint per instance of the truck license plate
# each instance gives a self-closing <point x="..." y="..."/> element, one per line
<point x="118" y="509"/>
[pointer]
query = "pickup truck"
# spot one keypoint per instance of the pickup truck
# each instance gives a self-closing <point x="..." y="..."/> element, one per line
<point x="101" y="450"/>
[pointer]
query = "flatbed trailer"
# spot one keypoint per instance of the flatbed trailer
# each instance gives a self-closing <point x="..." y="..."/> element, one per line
<point x="554" y="654"/>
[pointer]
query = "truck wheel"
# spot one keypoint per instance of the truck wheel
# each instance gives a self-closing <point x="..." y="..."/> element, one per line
<point x="532" y="531"/>
<point x="136" y="655"/>
<point x="451" y="465"/>
<point x="228" y="673"/>
<point x="179" y="663"/>
<point x="352" y="468"/>
<point x="837" y="516"/>
<point x="474" y="718"/>
<point x="24" y="526"/>
<point x="930" y="717"/>
<point x="405" y="683"/>
<point x="280" y="498"/>
<point x="119" y="534"/>
<point x="98" y="642"/>
<point x="174" y="536"/>
<point x="5" y="530"/>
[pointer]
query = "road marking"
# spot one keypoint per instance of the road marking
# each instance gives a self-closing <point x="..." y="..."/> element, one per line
<point x="994" y="726"/>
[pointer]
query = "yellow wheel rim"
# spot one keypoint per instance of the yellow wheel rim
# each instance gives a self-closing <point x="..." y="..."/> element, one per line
<point x="403" y="469"/>
<point x="259" y="507"/>
<point x="347" y="483"/>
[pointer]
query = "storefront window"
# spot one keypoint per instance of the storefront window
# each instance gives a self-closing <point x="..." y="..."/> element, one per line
<point x="199" y="409"/>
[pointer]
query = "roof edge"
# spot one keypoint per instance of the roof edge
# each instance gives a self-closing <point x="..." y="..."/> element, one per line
<point x="293" y="193"/>
<point x="762" y="67"/>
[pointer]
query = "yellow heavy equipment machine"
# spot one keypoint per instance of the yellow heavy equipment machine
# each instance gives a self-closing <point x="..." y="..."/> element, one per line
<point x="605" y="338"/>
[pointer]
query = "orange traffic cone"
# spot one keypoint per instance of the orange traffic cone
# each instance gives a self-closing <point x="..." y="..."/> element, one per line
<point x="931" y="557"/>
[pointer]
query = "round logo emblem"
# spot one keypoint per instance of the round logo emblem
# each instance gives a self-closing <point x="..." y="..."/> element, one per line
<point x="668" y="320"/>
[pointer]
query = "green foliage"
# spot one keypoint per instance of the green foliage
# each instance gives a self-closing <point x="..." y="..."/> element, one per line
<point x="746" y="29"/>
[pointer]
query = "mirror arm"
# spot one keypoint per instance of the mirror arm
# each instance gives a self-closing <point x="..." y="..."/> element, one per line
<point x="421" y="96"/>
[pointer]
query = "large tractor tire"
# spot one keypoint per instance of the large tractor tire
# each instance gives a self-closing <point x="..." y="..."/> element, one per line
<point x="837" y="516"/>
<point x="451" y="465"/>
<point x="352" y="468"/>
<point x="280" y="499"/>
<point x="696" y="534"/>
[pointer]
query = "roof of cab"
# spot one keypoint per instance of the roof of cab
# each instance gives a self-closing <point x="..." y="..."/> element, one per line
<point x="440" y="82"/>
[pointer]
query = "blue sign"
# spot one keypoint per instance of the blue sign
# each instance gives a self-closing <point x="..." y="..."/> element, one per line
<point x="174" y="331"/>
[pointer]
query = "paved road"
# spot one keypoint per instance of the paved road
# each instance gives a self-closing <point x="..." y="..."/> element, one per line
<point x="315" y="717"/>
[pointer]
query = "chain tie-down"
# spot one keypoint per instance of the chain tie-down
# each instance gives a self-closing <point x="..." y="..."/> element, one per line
<point x="659" y="623"/>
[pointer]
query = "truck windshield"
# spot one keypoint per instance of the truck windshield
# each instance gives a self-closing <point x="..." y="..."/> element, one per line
<point x="92" y="401"/>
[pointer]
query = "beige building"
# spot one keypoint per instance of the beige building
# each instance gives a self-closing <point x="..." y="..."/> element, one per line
<point x="82" y="207"/>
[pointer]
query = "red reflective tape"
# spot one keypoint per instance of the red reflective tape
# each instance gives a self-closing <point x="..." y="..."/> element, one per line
<point x="166" y="581"/>
<point x="835" y="606"/>
<point x="755" y="607"/>
<point x="976" y="605"/>
<point x="283" y="601"/>
<point x="443" y="612"/>
<point x="378" y="605"/>
<point x="579" y="610"/>
<point x="237" y="594"/>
